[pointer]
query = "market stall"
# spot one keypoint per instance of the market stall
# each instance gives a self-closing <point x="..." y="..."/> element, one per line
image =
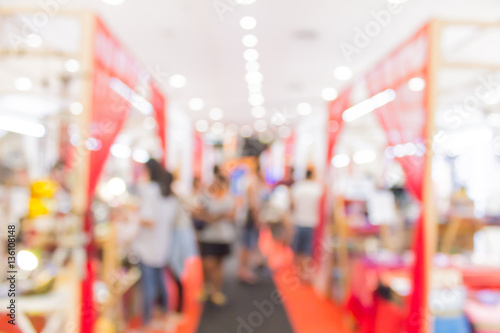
<point x="436" y="100"/>
<point x="92" y="100"/>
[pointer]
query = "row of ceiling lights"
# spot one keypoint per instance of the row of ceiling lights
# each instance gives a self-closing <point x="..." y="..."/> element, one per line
<point x="254" y="80"/>
<point x="253" y="77"/>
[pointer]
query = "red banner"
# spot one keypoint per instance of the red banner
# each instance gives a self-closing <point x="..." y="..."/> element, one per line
<point x="404" y="121"/>
<point x="116" y="74"/>
<point x="289" y="151"/>
<point x="158" y="102"/>
<point x="335" y="110"/>
<point x="198" y="155"/>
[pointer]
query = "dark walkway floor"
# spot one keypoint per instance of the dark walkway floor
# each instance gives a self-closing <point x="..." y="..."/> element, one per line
<point x="250" y="309"/>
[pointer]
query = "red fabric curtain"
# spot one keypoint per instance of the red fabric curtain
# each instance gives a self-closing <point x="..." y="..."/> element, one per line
<point x="159" y="107"/>
<point x="108" y="113"/>
<point x="115" y="76"/>
<point x="289" y="151"/>
<point x="404" y="121"/>
<point x="198" y="155"/>
<point x="335" y="110"/>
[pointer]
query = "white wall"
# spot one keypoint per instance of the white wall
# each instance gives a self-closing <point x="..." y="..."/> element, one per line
<point x="180" y="145"/>
<point x="310" y="143"/>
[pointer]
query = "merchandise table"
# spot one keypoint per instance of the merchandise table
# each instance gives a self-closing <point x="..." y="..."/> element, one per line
<point x="378" y="307"/>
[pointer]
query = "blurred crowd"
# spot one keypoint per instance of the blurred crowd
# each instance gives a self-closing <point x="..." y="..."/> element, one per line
<point x="216" y="223"/>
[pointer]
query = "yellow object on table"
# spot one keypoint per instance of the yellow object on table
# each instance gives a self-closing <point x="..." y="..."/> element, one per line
<point x="105" y="325"/>
<point x="44" y="188"/>
<point x="41" y="193"/>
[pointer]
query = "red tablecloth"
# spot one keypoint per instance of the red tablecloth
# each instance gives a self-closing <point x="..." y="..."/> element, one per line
<point x="481" y="278"/>
<point x="372" y="313"/>
<point x="376" y="315"/>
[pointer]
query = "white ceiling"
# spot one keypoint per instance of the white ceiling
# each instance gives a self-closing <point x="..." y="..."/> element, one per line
<point x="298" y="44"/>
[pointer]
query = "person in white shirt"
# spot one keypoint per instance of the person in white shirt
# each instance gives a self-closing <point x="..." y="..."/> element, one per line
<point x="157" y="213"/>
<point x="306" y="195"/>
<point x="216" y="237"/>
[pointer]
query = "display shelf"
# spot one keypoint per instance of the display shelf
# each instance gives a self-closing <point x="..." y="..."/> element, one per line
<point x="419" y="140"/>
<point x="84" y="111"/>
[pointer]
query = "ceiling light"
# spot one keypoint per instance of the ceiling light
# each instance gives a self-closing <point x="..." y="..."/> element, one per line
<point x="21" y="126"/>
<point x="201" y="125"/>
<point x="369" y="105"/>
<point x="113" y="2"/>
<point x="249" y="40"/>
<point x="258" y="112"/>
<point x="251" y="55"/>
<point x="256" y="99"/>
<point x="252" y="66"/>
<point x="329" y="94"/>
<point x="254" y="77"/>
<point x="140" y="156"/>
<point x="216" y="114"/>
<point x="34" y="40"/>
<point x="341" y="160"/>
<point x="389" y="153"/>
<point x="284" y="132"/>
<point x="248" y="22"/>
<point x="343" y="73"/>
<point x="75" y="140"/>
<point x="196" y="104"/>
<point x="304" y="109"/>
<point x="177" y="81"/>
<point x="137" y="101"/>
<point x="421" y="149"/>
<point x="217" y="128"/>
<point x="416" y="84"/>
<point x="26" y="260"/>
<point x="72" y="65"/>
<point x="116" y="186"/>
<point x="399" y="150"/>
<point x="76" y="108"/>
<point x="149" y="123"/>
<point x="410" y="149"/>
<point x="93" y="144"/>
<point x="32" y="106"/>
<point x="246" y="131"/>
<point x="141" y="104"/>
<point x="364" y="156"/>
<point x="120" y="151"/>
<point x="260" y="125"/>
<point x="23" y="84"/>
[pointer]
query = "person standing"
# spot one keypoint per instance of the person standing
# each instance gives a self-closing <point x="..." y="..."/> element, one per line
<point x="306" y="196"/>
<point x="257" y="194"/>
<point x="216" y="237"/>
<point x="157" y="214"/>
